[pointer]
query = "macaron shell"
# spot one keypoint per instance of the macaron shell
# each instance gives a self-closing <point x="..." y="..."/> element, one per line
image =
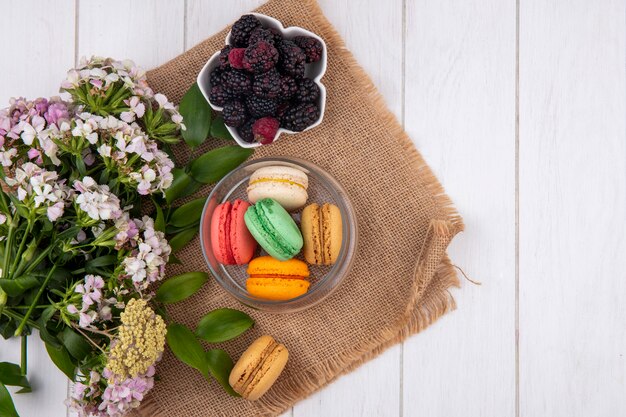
<point x="274" y="229"/>
<point x="245" y="368"/>
<point x="242" y="243"/>
<point x="277" y="289"/>
<point x="290" y="196"/>
<point x="310" y="225"/>
<point x="258" y="368"/>
<point x="268" y="266"/>
<point x="271" y="368"/>
<point x="332" y="232"/>
<point x="220" y="234"/>
<point x="286" y="185"/>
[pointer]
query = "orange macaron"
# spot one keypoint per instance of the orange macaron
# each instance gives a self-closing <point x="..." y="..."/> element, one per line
<point x="271" y="279"/>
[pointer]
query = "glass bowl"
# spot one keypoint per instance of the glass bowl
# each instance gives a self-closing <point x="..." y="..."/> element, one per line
<point x="324" y="279"/>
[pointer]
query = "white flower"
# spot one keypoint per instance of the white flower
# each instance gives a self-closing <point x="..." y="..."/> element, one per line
<point x="147" y="262"/>
<point x="96" y="200"/>
<point x="163" y="103"/>
<point x="55" y="211"/>
<point x="31" y="130"/>
<point x="3" y="218"/>
<point x="104" y="150"/>
<point x="6" y="157"/>
<point x="86" y="129"/>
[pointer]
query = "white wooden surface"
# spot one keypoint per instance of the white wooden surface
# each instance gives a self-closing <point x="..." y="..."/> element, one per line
<point x="544" y="201"/>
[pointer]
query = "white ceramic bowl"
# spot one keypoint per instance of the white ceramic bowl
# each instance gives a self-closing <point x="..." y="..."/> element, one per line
<point x="314" y="71"/>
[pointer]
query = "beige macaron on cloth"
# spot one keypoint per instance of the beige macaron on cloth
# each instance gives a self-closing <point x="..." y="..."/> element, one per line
<point x="401" y="276"/>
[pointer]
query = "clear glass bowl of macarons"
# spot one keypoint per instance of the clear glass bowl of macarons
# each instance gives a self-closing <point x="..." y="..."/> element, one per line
<point x="279" y="234"/>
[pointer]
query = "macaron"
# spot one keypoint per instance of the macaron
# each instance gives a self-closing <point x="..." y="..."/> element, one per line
<point x="271" y="279"/>
<point x="258" y="368"/>
<point x="231" y="241"/>
<point x="274" y="229"/>
<point x="322" y="233"/>
<point x="284" y="184"/>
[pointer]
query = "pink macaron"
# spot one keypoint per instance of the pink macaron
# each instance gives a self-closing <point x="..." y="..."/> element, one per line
<point x="231" y="241"/>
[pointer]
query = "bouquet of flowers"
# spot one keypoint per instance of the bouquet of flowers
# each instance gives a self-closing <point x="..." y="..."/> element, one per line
<point x="81" y="253"/>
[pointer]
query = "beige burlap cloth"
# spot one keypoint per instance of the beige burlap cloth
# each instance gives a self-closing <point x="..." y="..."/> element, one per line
<point x="401" y="276"/>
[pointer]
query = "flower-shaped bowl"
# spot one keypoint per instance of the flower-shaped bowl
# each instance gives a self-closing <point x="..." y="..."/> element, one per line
<point x="314" y="71"/>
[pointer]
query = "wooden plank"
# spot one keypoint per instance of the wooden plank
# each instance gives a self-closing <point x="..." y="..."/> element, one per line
<point x="373" y="32"/>
<point x="206" y="18"/>
<point x="36" y="58"/>
<point x="149" y="32"/>
<point x="460" y="111"/>
<point x="37" y="61"/>
<point x="572" y="222"/>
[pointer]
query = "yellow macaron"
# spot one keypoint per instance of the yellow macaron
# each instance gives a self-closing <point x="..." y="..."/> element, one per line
<point x="322" y="233"/>
<point x="258" y="368"/>
<point x="271" y="279"/>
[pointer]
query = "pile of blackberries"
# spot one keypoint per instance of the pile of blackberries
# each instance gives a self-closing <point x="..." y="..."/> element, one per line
<point x="260" y="81"/>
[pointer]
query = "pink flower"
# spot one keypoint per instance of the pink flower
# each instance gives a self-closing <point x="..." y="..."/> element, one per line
<point x="56" y="111"/>
<point x="55" y="211"/>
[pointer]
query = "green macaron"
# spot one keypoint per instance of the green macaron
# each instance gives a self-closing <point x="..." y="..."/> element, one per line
<point x="274" y="229"/>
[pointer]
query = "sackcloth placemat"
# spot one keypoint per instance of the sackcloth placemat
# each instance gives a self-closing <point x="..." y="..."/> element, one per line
<point x="401" y="276"/>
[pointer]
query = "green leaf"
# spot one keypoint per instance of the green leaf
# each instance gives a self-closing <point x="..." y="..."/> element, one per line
<point x="7" y="327"/>
<point x="19" y="285"/>
<point x="100" y="261"/>
<point x="214" y="165"/>
<point x="220" y="365"/>
<point x="196" y="114"/>
<point x="186" y="347"/>
<point x="75" y="344"/>
<point x="180" y="239"/>
<point x="180" y="287"/>
<point x="218" y="129"/>
<point x="61" y="358"/>
<point x="11" y="374"/>
<point x="179" y="184"/>
<point x="7" y="408"/>
<point x="223" y="324"/>
<point x="173" y="260"/>
<point x="188" y="214"/>
<point x="159" y="222"/>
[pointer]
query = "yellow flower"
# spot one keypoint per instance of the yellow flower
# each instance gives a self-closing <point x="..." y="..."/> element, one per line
<point x="140" y="340"/>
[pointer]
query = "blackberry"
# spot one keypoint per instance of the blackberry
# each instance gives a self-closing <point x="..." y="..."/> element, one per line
<point x="259" y="107"/>
<point x="308" y="91"/>
<point x="215" y="77"/>
<point x="234" y="113"/>
<point x="292" y="59"/>
<point x="267" y="85"/>
<point x="282" y="109"/>
<point x="237" y="82"/>
<point x="241" y="30"/>
<point x="224" y="64"/>
<point x="219" y="96"/>
<point x="312" y="48"/>
<point x="299" y="117"/>
<point x="260" y="57"/>
<point x="245" y="130"/>
<point x="270" y="35"/>
<point x="288" y="87"/>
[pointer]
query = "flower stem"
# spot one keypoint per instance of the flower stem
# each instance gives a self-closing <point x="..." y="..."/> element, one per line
<point x="36" y="262"/>
<point x="89" y="339"/>
<point x="7" y="247"/>
<point x="18" y="255"/>
<point x="24" y="363"/>
<point x="35" y="300"/>
<point x="16" y="316"/>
